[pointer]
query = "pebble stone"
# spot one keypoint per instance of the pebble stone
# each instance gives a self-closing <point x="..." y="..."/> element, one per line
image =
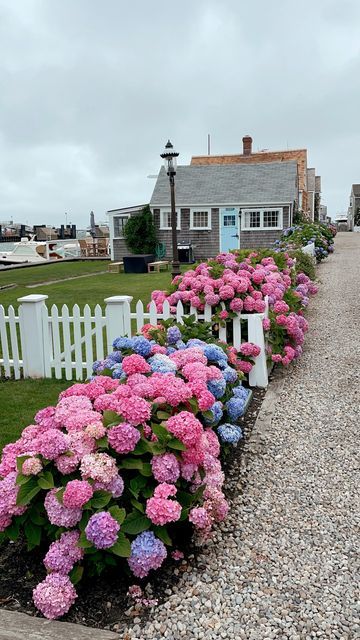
<point x="285" y="563"/>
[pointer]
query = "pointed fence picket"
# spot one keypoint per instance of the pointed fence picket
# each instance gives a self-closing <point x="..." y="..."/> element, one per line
<point x="65" y="343"/>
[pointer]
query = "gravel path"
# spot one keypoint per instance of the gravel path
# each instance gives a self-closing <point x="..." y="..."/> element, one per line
<point x="284" y="563"/>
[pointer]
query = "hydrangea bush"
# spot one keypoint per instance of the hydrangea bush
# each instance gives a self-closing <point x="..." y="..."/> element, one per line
<point x="300" y="235"/>
<point x="108" y="474"/>
<point x="246" y="282"/>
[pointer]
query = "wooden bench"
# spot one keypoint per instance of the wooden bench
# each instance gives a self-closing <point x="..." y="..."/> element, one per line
<point x="158" y="266"/>
<point x="115" y="267"/>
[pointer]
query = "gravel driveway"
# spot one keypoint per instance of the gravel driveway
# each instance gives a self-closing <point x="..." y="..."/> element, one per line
<point x="284" y="564"/>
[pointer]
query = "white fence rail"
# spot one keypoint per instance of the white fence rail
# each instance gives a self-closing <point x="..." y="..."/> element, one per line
<point x="44" y="343"/>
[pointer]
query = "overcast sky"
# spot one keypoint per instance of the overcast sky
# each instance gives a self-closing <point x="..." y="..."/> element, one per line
<point x="90" y="92"/>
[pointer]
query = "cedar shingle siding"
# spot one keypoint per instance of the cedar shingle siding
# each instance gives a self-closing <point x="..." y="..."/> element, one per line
<point x="205" y="243"/>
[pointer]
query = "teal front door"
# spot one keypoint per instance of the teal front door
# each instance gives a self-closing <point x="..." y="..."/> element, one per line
<point x="229" y="229"/>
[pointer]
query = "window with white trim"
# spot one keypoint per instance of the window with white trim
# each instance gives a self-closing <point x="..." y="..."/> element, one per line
<point x="200" y="219"/>
<point x="165" y="220"/>
<point x="261" y="219"/>
<point x="119" y="223"/>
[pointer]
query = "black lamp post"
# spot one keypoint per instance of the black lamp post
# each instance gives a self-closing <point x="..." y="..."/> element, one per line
<point x="169" y="156"/>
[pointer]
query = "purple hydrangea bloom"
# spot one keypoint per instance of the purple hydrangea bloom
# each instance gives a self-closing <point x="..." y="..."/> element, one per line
<point x="147" y="552"/>
<point x="173" y="335"/>
<point x="217" y="414"/>
<point x="102" y="530"/>
<point x="63" y="553"/>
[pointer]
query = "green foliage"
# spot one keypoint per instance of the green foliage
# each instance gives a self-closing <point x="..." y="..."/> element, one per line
<point x="304" y="263"/>
<point x="140" y="233"/>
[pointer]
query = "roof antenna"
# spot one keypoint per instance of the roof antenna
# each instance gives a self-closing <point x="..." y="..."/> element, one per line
<point x="208" y="144"/>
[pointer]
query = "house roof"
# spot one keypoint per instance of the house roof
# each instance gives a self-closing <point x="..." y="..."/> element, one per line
<point x="274" y="182"/>
<point x="300" y="155"/>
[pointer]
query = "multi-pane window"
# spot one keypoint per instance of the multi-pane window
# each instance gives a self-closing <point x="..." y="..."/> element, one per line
<point x="261" y="219"/>
<point x="119" y="225"/>
<point x="200" y="219"/>
<point x="229" y="220"/>
<point x="165" y="220"/>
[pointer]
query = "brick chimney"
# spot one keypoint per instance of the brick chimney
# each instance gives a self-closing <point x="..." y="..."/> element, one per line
<point x="247" y="145"/>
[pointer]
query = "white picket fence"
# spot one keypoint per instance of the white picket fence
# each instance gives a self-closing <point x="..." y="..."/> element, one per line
<point x="42" y="343"/>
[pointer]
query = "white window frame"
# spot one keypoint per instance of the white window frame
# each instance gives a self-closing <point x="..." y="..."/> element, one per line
<point x="178" y="219"/>
<point x="261" y="210"/>
<point x="124" y="215"/>
<point x="202" y="209"/>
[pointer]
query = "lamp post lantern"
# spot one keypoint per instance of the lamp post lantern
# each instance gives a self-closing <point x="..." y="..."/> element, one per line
<point x="169" y="156"/>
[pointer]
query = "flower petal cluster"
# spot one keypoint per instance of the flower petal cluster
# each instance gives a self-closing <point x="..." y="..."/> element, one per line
<point x="102" y="530"/>
<point x="123" y="438"/>
<point x="54" y="596"/>
<point x="147" y="552"/>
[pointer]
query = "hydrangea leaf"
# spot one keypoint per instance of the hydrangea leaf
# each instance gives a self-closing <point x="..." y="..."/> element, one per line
<point x="33" y="534"/>
<point x="122" y="547"/>
<point x="162" y="533"/>
<point x="27" y="492"/>
<point x="100" y="499"/>
<point x="76" y="574"/>
<point x="110" y="417"/>
<point x="118" y="513"/>
<point x="135" y="523"/>
<point x="46" y="480"/>
<point x="21" y="479"/>
<point x="174" y="443"/>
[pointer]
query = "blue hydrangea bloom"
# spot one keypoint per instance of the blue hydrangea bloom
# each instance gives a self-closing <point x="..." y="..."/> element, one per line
<point x="241" y="392"/>
<point x="180" y="344"/>
<point x="215" y="353"/>
<point x="235" y="408"/>
<point x="170" y="350"/>
<point x="229" y="433"/>
<point x="115" y="356"/>
<point x="118" y="373"/>
<point x="141" y="346"/>
<point x="195" y="342"/>
<point x="98" y="366"/>
<point x="173" y="334"/>
<point x="160" y="363"/>
<point x="230" y="375"/>
<point x="217" y="414"/>
<point x="217" y="387"/>
<point x="123" y="343"/>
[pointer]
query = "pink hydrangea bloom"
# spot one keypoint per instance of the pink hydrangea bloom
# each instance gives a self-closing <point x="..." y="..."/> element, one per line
<point x="135" y="364"/>
<point x="115" y="486"/>
<point x="96" y="430"/>
<point x="244" y="366"/>
<point x="200" y="518"/>
<point x="165" y="467"/>
<point x="135" y="410"/>
<point x="266" y="324"/>
<point x="99" y="466"/>
<point x="51" y="444"/>
<point x="160" y="509"/>
<point x="123" y="438"/>
<point x="185" y="427"/>
<point x="54" y="596"/>
<point x="31" y="467"/>
<point x="77" y="493"/>
<point x="58" y="514"/>
<point x="102" y="530"/>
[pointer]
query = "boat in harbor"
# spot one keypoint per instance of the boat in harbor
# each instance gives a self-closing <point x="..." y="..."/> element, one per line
<point x="32" y="251"/>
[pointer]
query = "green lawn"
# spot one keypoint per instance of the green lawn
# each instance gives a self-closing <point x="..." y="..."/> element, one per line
<point x="91" y="290"/>
<point x="20" y="400"/>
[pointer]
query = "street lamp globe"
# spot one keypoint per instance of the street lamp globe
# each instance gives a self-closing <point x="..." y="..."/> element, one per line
<point x="169" y="156"/>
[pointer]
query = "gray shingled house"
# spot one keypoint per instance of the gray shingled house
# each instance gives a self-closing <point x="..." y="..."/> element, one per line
<point x="219" y="207"/>
<point x="224" y="207"/>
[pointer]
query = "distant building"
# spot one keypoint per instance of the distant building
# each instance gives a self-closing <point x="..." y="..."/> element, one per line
<point x="323" y="216"/>
<point x="354" y="207"/>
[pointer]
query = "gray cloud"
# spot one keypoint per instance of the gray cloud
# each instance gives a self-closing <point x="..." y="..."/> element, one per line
<point x="91" y="91"/>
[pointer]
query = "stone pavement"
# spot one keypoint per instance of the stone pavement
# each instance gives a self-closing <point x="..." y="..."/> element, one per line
<point x="285" y="563"/>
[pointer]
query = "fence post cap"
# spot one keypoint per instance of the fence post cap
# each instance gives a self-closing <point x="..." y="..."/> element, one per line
<point x="118" y="299"/>
<point x="33" y="297"/>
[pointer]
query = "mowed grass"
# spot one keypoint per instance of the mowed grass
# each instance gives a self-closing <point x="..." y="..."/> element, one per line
<point x="20" y="400"/>
<point x="90" y="290"/>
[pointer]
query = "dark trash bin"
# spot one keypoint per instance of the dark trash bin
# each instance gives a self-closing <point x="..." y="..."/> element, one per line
<point x="185" y="252"/>
<point x="137" y="263"/>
